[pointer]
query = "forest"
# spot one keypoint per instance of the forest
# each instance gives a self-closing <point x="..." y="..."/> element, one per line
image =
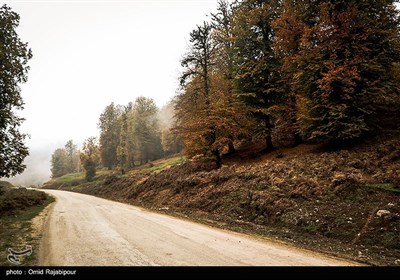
<point x="270" y="74"/>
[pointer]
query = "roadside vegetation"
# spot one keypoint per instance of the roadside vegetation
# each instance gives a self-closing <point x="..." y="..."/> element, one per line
<point x="18" y="208"/>
<point x="343" y="202"/>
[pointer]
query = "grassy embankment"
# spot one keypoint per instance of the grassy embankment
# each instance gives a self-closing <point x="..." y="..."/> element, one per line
<point x="312" y="196"/>
<point x="18" y="206"/>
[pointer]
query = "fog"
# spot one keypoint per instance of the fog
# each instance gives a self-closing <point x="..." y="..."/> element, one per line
<point x="38" y="170"/>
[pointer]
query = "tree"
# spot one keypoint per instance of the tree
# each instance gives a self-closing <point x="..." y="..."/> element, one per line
<point x="342" y="60"/>
<point x="14" y="56"/>
<point x="72" y="157"/>
<point x="59" y="163"/>
<point x="170" y="140"/>
<point x="294" y="16"/>
<point x="123" y="149"/>
<point x="109" y="135"/>
<point x="65" y="160"/>
<point x="194" y="106"/>
<point x="233" y="116"/>
<point x="257" y="68"/>
<point x="145" y="130"/>
<point x="90" y="157"/>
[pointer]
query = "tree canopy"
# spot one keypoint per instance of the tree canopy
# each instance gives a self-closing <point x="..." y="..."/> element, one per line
<point x="14" y="56"/>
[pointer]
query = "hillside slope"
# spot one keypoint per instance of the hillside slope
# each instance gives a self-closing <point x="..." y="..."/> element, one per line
<point x="345" y="202"/>
<point x="21" y="218"/>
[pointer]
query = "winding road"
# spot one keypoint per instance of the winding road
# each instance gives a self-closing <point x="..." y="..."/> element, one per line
<point x="84" y="230"/>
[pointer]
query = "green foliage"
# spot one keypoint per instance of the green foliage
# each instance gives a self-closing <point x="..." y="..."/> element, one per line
<point x="90" y="157"/>
<point x="146" y="130"/>
<point x="14" y="55"/>
<point x="65" y="160"/>
<point x="72" y="157"/>
<point x="17" y="209"/>
<point x="130" y="135"/>
<point x="109" y="135"/>
<point x="67" y="178"/>
<point x="171" y="142"/>
<point x="14" y="199"/>
<point x="257" y="68"/>
<point x="384" y="186"/>
<point x="168" y="163"/>
<point x="124" y="148"/>
<point x="58" y="163"/>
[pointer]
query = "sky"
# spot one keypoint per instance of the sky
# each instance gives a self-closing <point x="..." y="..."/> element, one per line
<point x="87" y="54"/>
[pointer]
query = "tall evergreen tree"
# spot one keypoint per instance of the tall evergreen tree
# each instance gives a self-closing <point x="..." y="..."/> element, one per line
<point x="72" y="157"/>
<point x="257" y="68"/>
<point x="123" y="148"/>
<point x="109" y="135"/>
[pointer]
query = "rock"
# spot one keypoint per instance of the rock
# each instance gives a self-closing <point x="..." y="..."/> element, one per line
<point x="390" y="204"/>
<point x="382" y="213"/>
<point x="397" y="262"/>
<point x="163" y="209"/>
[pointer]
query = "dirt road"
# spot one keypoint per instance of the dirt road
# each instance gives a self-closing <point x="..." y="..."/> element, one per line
<point x="86" y="230"/>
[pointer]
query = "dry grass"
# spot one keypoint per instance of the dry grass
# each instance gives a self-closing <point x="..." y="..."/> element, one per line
<point x="323" y="198"/>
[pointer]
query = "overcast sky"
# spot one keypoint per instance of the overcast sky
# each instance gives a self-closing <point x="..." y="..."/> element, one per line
<point x="87" y="54"/>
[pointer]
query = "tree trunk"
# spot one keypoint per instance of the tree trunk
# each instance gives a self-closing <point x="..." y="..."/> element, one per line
<point x="218" y="159"/>
<point x="293" y="119"/>
<point x="268" y="142"/>
<point x="268" y="137"/>
<point x="231" y="148"/>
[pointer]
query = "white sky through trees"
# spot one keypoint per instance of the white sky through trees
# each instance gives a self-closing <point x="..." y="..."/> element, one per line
<point x="87" y="54"/>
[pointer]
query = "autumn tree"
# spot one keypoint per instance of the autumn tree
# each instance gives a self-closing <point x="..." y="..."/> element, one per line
<point x="14" y="56"/>
<point x="90" y="157"/>
<point x="257" y="68"/>
<point x="109" y="135"/>
<point x="58" y="163"/>
<point x="234" y="122"/>
<point x="197" y="125"/>
<point x="341" y="60"/>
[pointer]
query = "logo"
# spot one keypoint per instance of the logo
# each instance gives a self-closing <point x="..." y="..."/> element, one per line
<point x="14" y="256"/>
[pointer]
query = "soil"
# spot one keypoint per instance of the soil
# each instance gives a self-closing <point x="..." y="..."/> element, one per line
<point x="318" y="197"/>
